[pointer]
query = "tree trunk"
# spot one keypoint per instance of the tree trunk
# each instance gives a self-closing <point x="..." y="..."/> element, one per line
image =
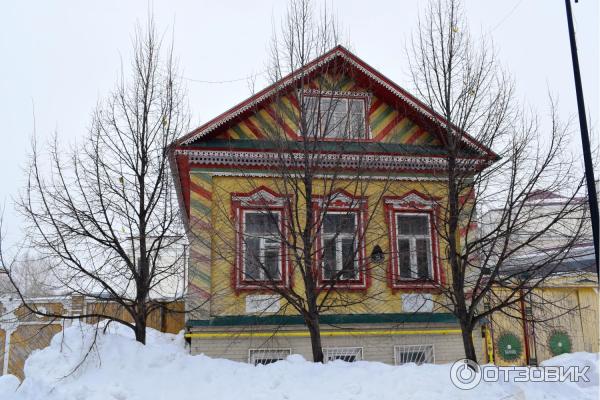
<point x="467" y="338"/>
<point x="140" y="330"/>
<point x="314" y="328"/>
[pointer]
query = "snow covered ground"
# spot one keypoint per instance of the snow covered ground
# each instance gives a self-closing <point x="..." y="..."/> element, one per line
<point x="119" y="368"/>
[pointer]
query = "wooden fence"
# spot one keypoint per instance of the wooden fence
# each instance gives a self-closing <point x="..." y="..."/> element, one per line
<point x="22" y="332"/>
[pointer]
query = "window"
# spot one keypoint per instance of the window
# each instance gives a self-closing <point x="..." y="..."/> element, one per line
<point x="262" y="245"/>
<point x="341" y="254"/>
<point x="261" y="254"/>
<point x="413" y="238"/>
<point x="336" y="117"/>
<point x="348" y="354"/>
<point x="267" y="356"/>
<point x="339" y="247"/>
<point x="418" y="354"/>
<point x="413" y="244"/>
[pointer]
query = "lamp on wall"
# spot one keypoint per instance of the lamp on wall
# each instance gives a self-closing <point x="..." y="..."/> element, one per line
<point x="377" y="255"/>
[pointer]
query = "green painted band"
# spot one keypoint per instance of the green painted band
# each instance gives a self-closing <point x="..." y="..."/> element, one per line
<point x="234" y="320"/>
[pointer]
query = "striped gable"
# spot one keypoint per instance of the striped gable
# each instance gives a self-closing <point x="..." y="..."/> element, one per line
<point x="387" y="124"/>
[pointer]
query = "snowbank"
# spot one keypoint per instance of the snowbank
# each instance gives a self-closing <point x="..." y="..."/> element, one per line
<point x="120" y="368"/>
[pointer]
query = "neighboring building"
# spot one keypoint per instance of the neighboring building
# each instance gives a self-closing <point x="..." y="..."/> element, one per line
<point x="538" y="210"/>
<point x="22" y="332"/>
<point x="230" y="315"/>
<point x="561" y="314"/>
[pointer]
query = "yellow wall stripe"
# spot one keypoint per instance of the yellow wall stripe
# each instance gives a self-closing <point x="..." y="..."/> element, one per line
<point x="389" y="332"/>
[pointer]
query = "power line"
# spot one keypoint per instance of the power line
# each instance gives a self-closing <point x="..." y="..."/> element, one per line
<point x="507" y="16"/>
<point x="253" y="76"/>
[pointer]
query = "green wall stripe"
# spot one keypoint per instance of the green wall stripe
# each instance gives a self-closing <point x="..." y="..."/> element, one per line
<point x="289" y="113"/>
<point x="381" y="117"/>
<point x="233" y="320"/>
<point x="399" y="135"/>
<point x="240" y="132"/>
<point x="197" y="205"/>
<point x="206" y="177"/>
<point x="197" y="273"/>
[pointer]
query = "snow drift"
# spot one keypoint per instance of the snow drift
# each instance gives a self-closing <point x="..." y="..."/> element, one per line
<point x="122" y="369"/>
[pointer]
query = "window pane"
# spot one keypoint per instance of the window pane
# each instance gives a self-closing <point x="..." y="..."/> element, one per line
<point x="348" y="257"/>
<point x="404" y="258"/>
<point x="262" y="224"/>
<point x="340" y="105"/>
<point x="413" y="225"/>
<point x="327" y="106"/>
<point x="310" y="107"/>
<point x="342" y="127"/>
<point x="357" y="126"/>
<point x="266" y="361"/>
<point x="357" y="106"/>
<point x="423" y="251"/>
<point x="334" y="124"/>
<point x="357" y="118"/>
<point x="329" y="258"/>
<point x="334" y="111"/>
<point x="339" y="223"/>
<point x="271" y="262"/>
<point x="417" y="357"/>
<point x="251" y="258"/>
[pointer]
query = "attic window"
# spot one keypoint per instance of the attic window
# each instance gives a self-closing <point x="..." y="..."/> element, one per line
<point x="335" y="116"/>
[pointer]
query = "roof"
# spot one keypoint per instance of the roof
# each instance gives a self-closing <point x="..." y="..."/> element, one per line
<point x="380" y="83"/>
<point x="579" y="259"/>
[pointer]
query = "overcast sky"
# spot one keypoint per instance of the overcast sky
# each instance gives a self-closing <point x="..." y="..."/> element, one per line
<point x="61" y="57"/>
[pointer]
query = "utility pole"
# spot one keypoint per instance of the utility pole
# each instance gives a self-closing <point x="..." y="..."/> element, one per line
<point x="585" y="137"/>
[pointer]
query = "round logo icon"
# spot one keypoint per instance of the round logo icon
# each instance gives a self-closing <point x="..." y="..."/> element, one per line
<point x="509" y="346"/>
<point x="559" y="343"/>
<point x="465" y="374"/>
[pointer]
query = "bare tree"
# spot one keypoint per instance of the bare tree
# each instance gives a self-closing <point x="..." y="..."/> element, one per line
<point x="488" y="216"/>
<point x="104" y="214"/>
<point x="307" y="221"/>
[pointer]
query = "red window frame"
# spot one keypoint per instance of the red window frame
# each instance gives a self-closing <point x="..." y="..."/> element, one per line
<point x="261" y="199"/>
<point x="412" y="203"/>
<point x="365" y="97"/>
<point x="343" y="202"/>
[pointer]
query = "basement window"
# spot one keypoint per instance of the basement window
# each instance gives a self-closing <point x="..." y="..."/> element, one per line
<point x="267" y="356"/>
<point x="418" y="354"/>
<point x="348" y="354"/>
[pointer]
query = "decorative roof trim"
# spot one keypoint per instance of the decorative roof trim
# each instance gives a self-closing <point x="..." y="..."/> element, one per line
<point x="338" y="51"/>
<point x="254" y="174"/>
<point x="371" y="162"/>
